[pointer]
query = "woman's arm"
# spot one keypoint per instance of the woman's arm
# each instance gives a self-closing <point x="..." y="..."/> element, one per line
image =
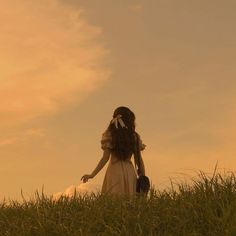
<point x="100" y="165"/>
<point x="102" y="162"/>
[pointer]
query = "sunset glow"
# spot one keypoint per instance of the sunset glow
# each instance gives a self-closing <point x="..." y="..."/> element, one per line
<point x="66" y="65"/>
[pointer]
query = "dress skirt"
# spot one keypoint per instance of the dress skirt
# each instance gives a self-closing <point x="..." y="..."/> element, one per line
<point x="120" y="178"/>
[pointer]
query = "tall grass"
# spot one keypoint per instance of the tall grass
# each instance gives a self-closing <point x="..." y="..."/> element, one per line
<point x="206" y="207"/>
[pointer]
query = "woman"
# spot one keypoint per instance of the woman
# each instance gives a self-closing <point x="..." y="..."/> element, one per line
<point x="118" y="142"/>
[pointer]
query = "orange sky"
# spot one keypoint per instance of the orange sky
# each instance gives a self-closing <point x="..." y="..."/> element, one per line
<point x="65" y="65"/>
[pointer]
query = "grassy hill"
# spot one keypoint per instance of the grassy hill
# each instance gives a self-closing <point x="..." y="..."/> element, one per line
<point x="206" y="207"/>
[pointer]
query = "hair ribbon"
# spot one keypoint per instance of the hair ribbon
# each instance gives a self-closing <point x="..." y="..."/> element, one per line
<point x="117" y="120"/>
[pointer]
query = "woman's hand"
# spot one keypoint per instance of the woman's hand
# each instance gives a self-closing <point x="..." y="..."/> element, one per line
<point x="85" y="178"/>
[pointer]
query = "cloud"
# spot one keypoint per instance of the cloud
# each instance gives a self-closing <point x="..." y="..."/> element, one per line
<point x="22" y="136"/>
<point x="50" y="59"/>
<point x="80" y="189"/>
<point x="8" y="141"/>
<point x="40" y="132"/>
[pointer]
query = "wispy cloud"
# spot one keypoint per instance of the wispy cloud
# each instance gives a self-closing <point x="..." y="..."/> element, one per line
<point x="40" y="132"/>
<point x="23" y="136"/>
<point x="50" y="59"/>
<point x="8" y="141"/>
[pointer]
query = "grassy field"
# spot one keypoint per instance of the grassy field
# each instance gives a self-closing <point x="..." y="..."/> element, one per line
<point x="206" y="207"/>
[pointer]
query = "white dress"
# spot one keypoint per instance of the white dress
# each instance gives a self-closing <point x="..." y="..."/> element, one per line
<point x="120" y="177"/>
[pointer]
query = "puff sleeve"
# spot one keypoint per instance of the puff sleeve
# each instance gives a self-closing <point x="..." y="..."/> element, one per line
<point x="106" y="140"/>
<point x="142" y="146"/>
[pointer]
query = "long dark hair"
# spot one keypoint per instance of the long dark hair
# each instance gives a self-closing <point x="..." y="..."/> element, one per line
<point x="123" y="139"/>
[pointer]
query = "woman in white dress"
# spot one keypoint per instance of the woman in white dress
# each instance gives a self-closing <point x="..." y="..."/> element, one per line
<point x="118" y="143"/>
